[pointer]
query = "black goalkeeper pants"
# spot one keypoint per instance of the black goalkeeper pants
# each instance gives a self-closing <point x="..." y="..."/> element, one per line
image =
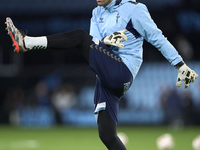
<point x="107" y="132"/>
<point x="77" y="38"/>
<point x="81" y="40"/>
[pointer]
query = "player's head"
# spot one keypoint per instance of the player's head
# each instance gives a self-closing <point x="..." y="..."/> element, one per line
<point x="103" y="2"/>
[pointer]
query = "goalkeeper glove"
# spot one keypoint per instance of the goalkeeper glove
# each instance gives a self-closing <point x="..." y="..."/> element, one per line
<point x="115" y="39"/>
<point x="185" y="74"/>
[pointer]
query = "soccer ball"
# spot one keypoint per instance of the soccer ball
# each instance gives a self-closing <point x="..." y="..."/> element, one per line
<point x="165" y="142"/>
<point x="196" y="143"/>
<point x="123" y="137"/>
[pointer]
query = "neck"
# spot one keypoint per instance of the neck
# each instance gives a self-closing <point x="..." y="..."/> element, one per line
<point x="108" y="3"/>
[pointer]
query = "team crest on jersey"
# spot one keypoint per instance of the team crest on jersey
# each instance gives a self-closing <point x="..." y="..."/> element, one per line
<point x="117" y="18"/>
<point x="101" y="20"/>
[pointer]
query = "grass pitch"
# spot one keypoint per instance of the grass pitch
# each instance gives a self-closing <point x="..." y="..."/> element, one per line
<point x="76" y="138"/>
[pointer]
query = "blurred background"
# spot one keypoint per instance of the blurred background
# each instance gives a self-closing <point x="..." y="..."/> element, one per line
<point x="43" y="88"/>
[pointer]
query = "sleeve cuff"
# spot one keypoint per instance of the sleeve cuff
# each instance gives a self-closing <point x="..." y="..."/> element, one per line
<point x="177" y="66"/>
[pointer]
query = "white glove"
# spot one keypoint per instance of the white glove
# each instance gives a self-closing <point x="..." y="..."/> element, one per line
<point x="185" y="74"/>
<point x="115" y="39"/>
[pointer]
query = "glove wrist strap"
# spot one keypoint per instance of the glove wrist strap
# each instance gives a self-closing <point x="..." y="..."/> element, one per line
<point x="181" y="63"/>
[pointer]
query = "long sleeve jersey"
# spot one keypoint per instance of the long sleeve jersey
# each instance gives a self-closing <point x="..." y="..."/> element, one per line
<point x="135" y="18"/>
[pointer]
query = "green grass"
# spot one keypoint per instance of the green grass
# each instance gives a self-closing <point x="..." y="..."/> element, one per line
<point x="74" y="138"/>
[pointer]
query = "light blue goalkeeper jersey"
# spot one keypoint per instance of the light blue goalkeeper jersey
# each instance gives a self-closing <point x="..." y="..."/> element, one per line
<point x="135" y="18"/>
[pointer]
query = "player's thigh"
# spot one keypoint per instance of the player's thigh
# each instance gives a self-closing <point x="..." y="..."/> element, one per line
<point x="109" y="67"/>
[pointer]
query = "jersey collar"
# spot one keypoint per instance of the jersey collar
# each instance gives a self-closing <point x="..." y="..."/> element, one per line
<point x="116" y="3"/>
<point x="109" y="7"/>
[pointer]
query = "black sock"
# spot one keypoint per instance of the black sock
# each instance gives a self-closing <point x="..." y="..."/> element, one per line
<point x="107" y="132"/>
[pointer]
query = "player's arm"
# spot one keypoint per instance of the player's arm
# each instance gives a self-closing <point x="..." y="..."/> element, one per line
<point x="144" y="24"/>
<point x="94" y="29"/>
<point x="146" y="27"/>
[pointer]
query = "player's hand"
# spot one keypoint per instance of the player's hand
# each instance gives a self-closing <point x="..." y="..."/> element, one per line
<point x="185" y="74"/>
<point x="115" y="39"/>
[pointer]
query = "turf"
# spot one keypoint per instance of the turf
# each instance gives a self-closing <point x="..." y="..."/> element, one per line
<point x="76" y="138"/>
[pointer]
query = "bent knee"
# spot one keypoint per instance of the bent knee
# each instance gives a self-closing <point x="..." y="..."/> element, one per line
<point x="80" y="31"/>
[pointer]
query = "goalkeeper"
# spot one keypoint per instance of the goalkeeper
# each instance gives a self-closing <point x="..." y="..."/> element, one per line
<point x="114" y="52"/>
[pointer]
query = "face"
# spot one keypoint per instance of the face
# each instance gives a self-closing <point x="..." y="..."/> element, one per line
<point x="104" y="2"/>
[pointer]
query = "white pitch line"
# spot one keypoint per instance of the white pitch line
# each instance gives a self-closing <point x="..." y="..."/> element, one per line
<point x="26" y="144"/>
